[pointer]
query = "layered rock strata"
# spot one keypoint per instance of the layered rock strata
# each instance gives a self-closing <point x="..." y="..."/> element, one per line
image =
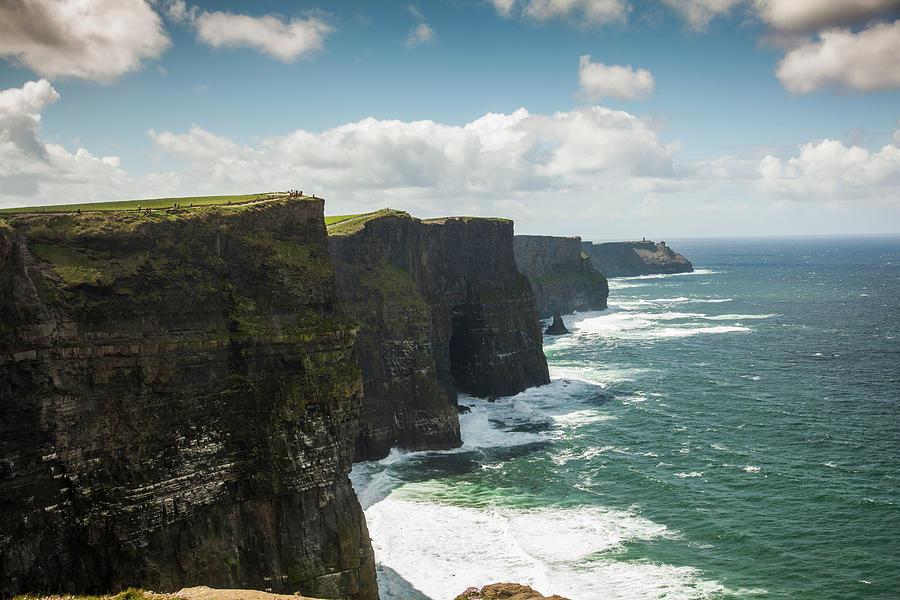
<point x="562" y="277"/>
<point x="442" y="309"/>
<point x="178" y="403"/>
<point x="631" y="259"/>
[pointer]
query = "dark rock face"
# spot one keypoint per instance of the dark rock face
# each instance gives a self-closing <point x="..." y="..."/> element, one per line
<point x="557" y="327"/>
<point x="442" y="308"/>
<point x="562" y="278"/>
<point x="178" y="403"/>
<point x="631" y="259"/>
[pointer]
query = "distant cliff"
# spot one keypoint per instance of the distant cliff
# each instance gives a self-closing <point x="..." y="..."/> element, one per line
<point x="178" y="403"/>
<point x="442" y="308"/>
<point x="630" y="259"/>
<point x="563" y="279"/>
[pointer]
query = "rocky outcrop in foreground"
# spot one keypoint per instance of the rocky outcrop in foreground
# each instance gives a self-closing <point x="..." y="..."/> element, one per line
<point x="504" y="591"/>
<point x="562" y="277"/>
<point x="178" y="403"/>
<point x="631" y="259"/>
<point x="442" y="309"/>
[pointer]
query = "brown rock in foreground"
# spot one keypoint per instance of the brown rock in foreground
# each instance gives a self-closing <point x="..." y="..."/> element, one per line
<point x="202" y="592"/>
<point x="501" y="591"/>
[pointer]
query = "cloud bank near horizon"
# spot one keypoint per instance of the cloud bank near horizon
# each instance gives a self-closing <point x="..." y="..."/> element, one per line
<point x="592" y="160"/>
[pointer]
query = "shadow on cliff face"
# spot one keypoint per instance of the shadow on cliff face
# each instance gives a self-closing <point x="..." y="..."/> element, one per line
<point x="391" y="584"/>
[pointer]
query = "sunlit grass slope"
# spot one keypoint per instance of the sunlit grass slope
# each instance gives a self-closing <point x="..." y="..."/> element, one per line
<point x="146" y="203"/>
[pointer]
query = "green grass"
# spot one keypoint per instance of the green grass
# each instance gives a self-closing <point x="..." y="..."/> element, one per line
<point x="134" y="204"/>
<point x="350" y="224"/>
<point x="129" y="594"/>
<point x="338" y="218"/>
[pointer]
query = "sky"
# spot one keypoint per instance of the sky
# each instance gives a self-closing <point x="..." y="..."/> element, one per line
<point x="608" y="119"/>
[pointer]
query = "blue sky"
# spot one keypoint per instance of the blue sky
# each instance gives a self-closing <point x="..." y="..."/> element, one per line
<point x="609" y="119"/>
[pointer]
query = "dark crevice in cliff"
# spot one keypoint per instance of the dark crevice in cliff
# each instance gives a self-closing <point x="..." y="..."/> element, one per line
<point x="441" y="309"/>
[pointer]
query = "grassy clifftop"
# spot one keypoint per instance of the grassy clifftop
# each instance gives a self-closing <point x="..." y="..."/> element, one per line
<point x="154" y="203"/>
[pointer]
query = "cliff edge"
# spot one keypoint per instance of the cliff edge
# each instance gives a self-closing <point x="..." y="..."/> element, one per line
<point x="442" y="308"/>
<point x="631" y="259"/>
<point x="563" y="278"/>
<point x="178" y="403"/>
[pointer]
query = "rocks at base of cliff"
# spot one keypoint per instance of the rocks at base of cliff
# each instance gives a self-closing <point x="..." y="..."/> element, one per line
<point x="178" y="403"/>
<point x="442" y="308"/>
<point x="632" y="259"/>
<point x="557" y="327"/>
<point x="504" y="591"/>
<point x="562" y="277"/>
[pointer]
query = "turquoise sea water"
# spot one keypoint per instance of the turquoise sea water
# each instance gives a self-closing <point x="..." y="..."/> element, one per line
<point x="731" y="433"/>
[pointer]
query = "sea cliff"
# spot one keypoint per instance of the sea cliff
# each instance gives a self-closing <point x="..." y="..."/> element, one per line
<point x="178" y="403"/>
<point x="442" y="309"/>
<point x="631" y="259"/>
<point x="563" y="278"/>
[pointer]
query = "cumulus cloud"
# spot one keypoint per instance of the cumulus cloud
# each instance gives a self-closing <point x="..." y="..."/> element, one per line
<point x="866" y="61"/>
<point x="831" y="170"/>
<point x="698" y="13"/>
<point x="597" y="80"/>
<point x="814" y="15"/>
<point x="20" y="116"/>
<point x="31" y="168"/>
<point x="98" y="40"/>
<point x="283" y="40"/>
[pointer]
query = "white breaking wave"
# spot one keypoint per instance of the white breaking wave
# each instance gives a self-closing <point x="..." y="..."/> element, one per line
<point x="642" y="325"/>
<point x="441" y="550"/>
<point x="665" y="275"/>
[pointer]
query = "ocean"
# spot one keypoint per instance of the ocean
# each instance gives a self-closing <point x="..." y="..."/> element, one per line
<point x="728" y="433"/>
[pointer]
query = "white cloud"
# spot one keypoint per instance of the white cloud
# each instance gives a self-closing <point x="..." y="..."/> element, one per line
<point x="420" y="34"/>
<point x="597" y="80"/>
<point x="592" y="11"/>
<point x="830" y="170"/>
<point x="813" y="15"/>
<point x="285" y="41"/>
<point x="503" y="7"/>
<point x="20" y="116"/>
<point x="867" y="61"/>
<point x="698" y="13"/>
<point x="179" y="12"/>
<point x="897" y="135"/>
<point x="197" y="145"/>
<point x="91" y="39"/>
<point x="31" y="168"/>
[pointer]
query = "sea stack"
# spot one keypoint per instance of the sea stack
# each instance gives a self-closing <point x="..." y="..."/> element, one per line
<point x="557" y="327"/>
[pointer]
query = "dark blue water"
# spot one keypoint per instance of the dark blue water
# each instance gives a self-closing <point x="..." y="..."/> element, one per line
<point x="724" y="434"/>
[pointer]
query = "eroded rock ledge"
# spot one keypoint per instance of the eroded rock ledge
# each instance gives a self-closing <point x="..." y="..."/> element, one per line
<point x="631" y="259"/>
<point x="562" y="277"/>
<point x="178" y="403"/>
<point x="442" y="309"/>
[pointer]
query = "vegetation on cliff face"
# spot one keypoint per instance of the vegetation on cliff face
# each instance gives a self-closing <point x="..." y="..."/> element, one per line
<point x="179" y="400"/>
